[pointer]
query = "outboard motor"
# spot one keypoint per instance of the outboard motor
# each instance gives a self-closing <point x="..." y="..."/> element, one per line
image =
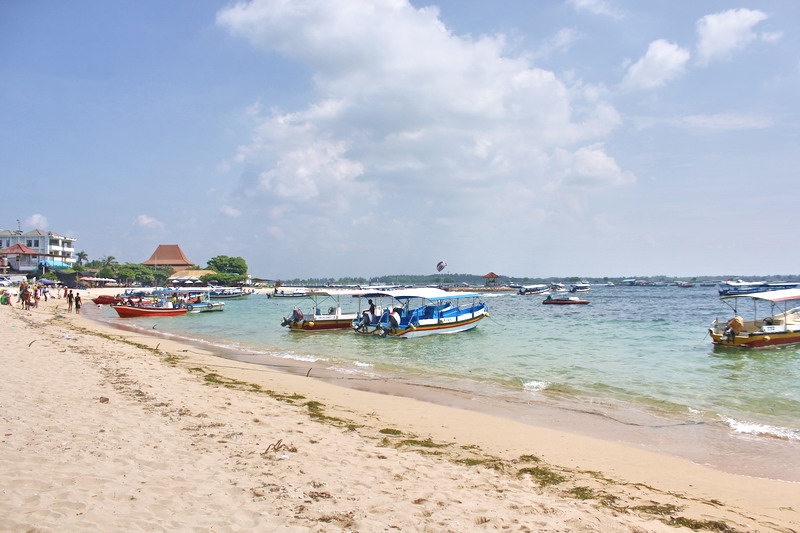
<point x="394" y="319"/>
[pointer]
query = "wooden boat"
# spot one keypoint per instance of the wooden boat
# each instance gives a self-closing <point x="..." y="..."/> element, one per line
<point x="527" y="290"/>
<point x="780" y="326"/>
<point x="129" y="311"/>
<point x="572" y="300"/>
<point x="434" y="314"/>
<point x="326" y="311"/>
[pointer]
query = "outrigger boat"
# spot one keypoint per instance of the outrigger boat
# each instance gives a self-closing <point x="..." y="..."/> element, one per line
<point x="777" y="328"/>
<point x="527" y="290"/>
<point x="326" y="311"/>
<point x="435" y="315"/>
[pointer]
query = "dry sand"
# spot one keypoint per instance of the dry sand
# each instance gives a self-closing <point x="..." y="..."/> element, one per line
<point x="107" y="431"/>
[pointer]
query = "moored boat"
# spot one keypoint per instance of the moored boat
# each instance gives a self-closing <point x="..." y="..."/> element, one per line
<point x="422" y="312"/>
<point x="228" y="293"/>
<point x="572" y="300"/>
<point x="731" y="287"/>
<point x="780" y="325"/>
<point x="128" y="311"/>
<point x="326" y="311"/>
<point x="580" y="287"/>
<point x="527" y="290"/>
<point x="289" y="292"/>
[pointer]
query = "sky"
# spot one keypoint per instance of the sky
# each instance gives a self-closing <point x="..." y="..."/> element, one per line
<point x="334" y="138"/>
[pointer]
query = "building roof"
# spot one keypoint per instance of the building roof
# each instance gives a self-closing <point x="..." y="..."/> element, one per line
<point x="168" y="255"/>
<point x="491" y="275"/>
<point x="19" y="249"/>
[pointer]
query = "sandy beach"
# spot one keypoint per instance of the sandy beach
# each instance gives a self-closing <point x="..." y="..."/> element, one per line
<point x="105" y="430"/>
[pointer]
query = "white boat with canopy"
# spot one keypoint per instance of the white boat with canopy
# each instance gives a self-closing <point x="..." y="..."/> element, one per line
<point x="423" y="311"/>
<point x="780" y="325"/>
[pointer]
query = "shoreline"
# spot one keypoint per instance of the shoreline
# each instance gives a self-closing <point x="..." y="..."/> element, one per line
<point x="702" y="440"/>
<point x="351" y="417"/>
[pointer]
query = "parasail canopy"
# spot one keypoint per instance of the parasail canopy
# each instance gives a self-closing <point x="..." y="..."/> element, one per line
<point x="440" y="266"/>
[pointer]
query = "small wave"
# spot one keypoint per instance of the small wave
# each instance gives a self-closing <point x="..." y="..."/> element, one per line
<point x="359" y="363"/>
<point x="535" y="386"/>
<point x="749" y="428"/>
<point x="353" y="372"/>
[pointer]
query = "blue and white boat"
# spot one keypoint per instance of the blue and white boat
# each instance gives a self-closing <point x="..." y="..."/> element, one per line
<point x="422" y="312"/>
<point x="731" y="287"/>
<point x="228" y="292"/>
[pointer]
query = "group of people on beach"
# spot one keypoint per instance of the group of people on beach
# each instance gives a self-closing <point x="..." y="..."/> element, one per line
<point x="28" y="296"/>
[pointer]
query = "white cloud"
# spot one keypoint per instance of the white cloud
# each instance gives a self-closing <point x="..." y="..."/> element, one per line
<point x="230" y="211"/>
<point x="407" y="114"/>
<point x="597" y="7"/>
<point x="721" y="34"/>
<point x="148" y="222"/>
<point x="664" y="61"/>
<point x="559" y="43"/>
<point x="590" y="168"/>
<point x="37" y="221"/>
<point x="725" y="121"/>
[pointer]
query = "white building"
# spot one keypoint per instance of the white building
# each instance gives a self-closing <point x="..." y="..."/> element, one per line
<point x="51" y="247"/>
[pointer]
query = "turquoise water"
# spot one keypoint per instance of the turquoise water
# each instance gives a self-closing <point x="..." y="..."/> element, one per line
<point x="642" y="348"/>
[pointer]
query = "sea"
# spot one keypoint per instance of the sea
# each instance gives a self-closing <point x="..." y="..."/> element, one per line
<point x="636" y="366"/>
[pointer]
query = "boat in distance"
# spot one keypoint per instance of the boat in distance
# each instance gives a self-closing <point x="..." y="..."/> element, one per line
<point x="289" y="292"/>
<point x="572" y="300"/>
<point x="780" y="326"/>
<point x="730" y="287"/>
<point x="435" y="314"/>
<point x="527" y="290"/>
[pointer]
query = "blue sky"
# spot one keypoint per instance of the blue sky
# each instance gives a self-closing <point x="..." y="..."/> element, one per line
<point x="331" y="138"/>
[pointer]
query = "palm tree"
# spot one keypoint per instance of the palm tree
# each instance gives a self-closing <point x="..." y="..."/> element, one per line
<point x="82" y="256"/>
<point x="107" y="261"/>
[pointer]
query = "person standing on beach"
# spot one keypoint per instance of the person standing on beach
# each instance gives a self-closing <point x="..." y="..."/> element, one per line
<point x="70" y="300"/>
<point x="78" y="304"/>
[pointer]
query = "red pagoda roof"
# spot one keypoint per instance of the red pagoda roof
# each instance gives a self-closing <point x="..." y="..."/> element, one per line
<point x="19" y="249"/>
<point x="168" y="255"/>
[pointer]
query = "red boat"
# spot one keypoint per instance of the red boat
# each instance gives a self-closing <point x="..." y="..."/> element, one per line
<point x="127" y="311"/>
<point x="107" y="299"/>
<point x="572" y="300"/>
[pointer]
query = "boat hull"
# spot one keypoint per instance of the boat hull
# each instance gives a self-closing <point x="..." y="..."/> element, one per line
<point x="565" y="302"/>
<point x="322" y="324"/>
<point x="125" y="311"/>
<point x="755" y="340"/>
<point x="106" y="300"/>
<point x="425" y="328"/>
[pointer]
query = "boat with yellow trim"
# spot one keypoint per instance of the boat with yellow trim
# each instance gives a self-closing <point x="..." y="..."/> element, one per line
<point x="421" y="312"/>
<point x="780" y="325"/>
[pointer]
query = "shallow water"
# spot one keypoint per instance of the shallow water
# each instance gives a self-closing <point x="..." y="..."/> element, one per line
<point x="642" y="351"/>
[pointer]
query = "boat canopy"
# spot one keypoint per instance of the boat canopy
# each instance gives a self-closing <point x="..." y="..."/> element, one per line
<point x="339" y="292"/>
<point x="770" y="296"/>
<point x="428" y="293"/>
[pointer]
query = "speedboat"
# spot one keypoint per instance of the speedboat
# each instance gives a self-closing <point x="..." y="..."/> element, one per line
<point x="580" y="287"/>
<point x="572" y="300"/>
<point x="780" y="323"/>
<point x="526" y="290"/>
<point x="326" y="311"/>
<point x="422" y="312"/>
